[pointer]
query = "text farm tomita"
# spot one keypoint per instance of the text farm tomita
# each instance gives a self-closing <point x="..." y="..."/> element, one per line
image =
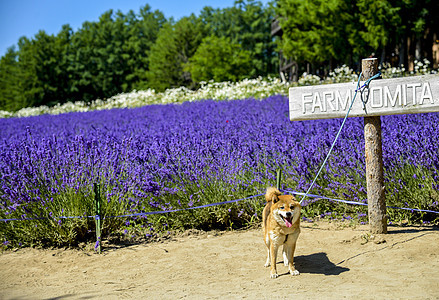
<point x="417" y="94"/>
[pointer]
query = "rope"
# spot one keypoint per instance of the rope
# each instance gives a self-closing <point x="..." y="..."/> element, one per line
<point x="54" y="218"/>
<point x="138" y="214"/>
<point x="220" y="203"/>
<point x="355" y="202"/>
<point x="188" y="208"/>
<point x="358" y="89"/>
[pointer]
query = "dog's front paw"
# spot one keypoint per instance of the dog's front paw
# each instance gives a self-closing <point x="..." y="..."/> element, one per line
<point x="294" y="272"/>
<point x="267" y="264"/>
<point x="274" y="275"/>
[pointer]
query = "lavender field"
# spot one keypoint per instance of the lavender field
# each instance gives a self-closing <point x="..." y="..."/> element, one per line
<point x="163" y="157"/>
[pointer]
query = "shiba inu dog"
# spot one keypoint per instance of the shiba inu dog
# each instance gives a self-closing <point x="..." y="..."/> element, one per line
<point x="281" y="226"/>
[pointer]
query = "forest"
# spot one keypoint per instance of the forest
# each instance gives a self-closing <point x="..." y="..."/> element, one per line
<point x="144" y="50"/>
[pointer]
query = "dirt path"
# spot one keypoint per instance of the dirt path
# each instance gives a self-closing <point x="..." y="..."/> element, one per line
<point x="334" y="264"/>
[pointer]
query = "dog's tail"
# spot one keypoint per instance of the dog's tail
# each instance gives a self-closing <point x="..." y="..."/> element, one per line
<point x="272" y="193"/>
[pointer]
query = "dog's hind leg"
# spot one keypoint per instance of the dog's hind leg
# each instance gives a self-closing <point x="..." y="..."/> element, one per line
<point x="267" y="243"/>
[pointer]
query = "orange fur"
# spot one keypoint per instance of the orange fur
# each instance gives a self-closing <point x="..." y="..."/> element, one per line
<point x="281" y="227"/>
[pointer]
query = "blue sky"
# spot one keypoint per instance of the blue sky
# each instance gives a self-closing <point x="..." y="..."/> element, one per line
<point x="26" y="17"/>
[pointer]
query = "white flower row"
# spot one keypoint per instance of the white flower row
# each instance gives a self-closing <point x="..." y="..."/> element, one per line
<point x="258" y="88"/>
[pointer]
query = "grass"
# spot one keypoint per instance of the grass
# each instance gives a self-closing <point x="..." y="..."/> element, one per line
<point x="414" y="191"/>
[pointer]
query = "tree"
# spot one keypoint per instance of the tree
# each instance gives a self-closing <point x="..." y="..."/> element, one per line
<point x="418" y="30"/>
<point x="143" y="31"/>
<point x="36" y="74"/>
<point x="38" y="63"/>
<point x="315" y="31"/>
<point x="83" y="63"/>
<point x="175" y="44"/>
<point x="10" y="96"/>
<point x="339" y="31"/>
<point x="62" y="47"/>
<point x="247" y="23"/>
<point x="111" y="56"/>
<point x="376" y="27"/>
<point x="219" y="59"/>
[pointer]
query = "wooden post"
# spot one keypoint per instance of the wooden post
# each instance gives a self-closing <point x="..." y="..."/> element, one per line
<point x="374" y="161"/>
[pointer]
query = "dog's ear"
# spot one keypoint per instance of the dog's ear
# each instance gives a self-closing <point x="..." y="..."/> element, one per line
<point x="275" y="198"/>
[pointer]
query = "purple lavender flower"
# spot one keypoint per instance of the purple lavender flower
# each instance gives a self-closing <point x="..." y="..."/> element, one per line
<point x="141" y="156"/>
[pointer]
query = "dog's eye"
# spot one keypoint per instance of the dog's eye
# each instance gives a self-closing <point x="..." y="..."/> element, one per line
<point x="291" y="207"/>
<point x="282" y="207"/>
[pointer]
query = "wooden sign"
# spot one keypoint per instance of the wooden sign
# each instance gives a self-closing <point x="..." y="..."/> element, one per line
<point x="406" y="95"/>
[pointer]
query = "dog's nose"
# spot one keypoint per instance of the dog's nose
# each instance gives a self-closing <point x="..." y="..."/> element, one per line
<point x="289" y="214"/>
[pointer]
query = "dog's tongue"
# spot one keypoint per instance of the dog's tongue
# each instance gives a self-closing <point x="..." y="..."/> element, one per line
<point x="288" y="223"/>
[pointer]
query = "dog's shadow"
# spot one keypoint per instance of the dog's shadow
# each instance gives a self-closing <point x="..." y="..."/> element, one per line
<point x="317" y="263"/>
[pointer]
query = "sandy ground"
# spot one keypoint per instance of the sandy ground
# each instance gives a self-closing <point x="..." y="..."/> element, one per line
<point x="334" y="262"/>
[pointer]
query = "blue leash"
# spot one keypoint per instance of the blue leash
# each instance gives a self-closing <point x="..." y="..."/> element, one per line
<point x="358" y="89"/>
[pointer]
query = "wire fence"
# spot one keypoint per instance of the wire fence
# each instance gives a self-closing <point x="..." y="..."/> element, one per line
<point x="316" y="197"/>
